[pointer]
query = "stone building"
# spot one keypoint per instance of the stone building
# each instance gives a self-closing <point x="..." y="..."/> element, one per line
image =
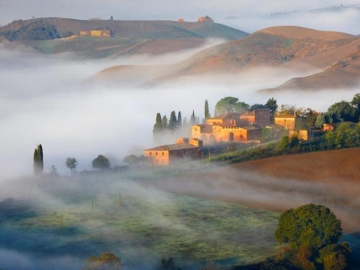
<point x="288" y="121"/>
<point x="95" y="33"/>
<point x="233" y="127"/>
<point x="205" y="19"/>
<point x="184" y="149"/>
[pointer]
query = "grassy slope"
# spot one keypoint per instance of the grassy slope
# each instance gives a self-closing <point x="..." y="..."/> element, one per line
<point x="150" y="224"/>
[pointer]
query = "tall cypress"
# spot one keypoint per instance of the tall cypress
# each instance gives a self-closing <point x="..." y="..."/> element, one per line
<point x="193" y="118"/>
<point x="179" y="120"/>
<point x="172" y="120"/>
<point x="158" y="126"/>
<point x="164" y="122"/>
<point x="207" y="114"/>
<point x="38" y="159"/>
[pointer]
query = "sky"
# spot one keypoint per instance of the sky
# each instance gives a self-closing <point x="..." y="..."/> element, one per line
<point x="165" y="10"/>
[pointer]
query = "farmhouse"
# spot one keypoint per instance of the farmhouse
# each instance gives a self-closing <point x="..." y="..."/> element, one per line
<point x="174" y="153"/>
<point x="291" y="123"/>
<point x="95" y="33"/>
<point x="334" y="126"/>
<point x="233" y="127"/>
<point x="205" y="19"/>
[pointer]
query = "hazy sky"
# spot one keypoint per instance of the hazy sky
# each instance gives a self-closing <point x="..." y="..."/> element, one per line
<point x="157" y="9"/>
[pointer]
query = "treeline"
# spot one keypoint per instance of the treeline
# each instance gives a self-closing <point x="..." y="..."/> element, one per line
<point x="38" y="30"/>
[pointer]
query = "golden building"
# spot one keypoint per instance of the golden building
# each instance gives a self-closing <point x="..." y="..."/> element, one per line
<point x="184" y="149"/>
<point x="95" y="33"/>
<point x="233" y="127"/>
<point x="288" y="121"/>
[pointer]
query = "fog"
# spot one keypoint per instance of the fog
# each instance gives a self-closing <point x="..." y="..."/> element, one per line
<point x="44" y="101"/>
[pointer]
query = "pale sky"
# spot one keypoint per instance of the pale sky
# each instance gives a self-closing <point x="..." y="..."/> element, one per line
<point x="157" y="9"/>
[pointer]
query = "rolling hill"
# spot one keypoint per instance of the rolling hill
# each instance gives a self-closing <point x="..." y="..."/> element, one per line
<point x="289" y="47"/>
<point x="56" y="35"/>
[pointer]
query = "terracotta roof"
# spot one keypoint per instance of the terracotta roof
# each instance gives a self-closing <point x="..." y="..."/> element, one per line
<point x="170" y="147"/>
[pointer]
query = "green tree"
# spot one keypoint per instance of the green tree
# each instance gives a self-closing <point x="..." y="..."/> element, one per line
<point x="257" y="106"/>
<point x="111" y="18"/>
<point x="38" y="159"/>
<point x="105" y="261"/>
<point x="272" y="105"/>
<point x="294" y="141"/>
<point x="267" y="134"/>
<point x="101" y="162"/>
<point x="71" y="163"/>
<point x="356" y="101"/>
<point x="164" y="122"/>
<point x="193" y="118"/>
<point x="206" y="110"/>
<point x="320" y="121"/>
<point x="341" y="112"/>
<point x="312" y="226"/>
<point x="131" y="159"/>
<point x="172" y="120"/>
<point x="283" y="144"/>
<point x="230" y="104"/>
<point x="179" y="120"/>
<point x="158" y="125"/>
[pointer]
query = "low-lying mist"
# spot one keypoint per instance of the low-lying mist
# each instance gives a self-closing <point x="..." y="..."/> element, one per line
<point x="44" y="101"/>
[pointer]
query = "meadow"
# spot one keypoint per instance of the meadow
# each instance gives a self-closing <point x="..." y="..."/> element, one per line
<point x="84" y="215"/>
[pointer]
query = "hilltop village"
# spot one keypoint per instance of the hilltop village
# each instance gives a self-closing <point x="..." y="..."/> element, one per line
<point x="240" y="126"/>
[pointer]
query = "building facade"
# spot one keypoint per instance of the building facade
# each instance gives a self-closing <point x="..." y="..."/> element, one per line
<point x="184" y="149"/>
<point x="95" y="33"/>
<point x="233" y="127"/>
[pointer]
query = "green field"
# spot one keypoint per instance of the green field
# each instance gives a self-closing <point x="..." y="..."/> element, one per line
<point x="147" y="226"/>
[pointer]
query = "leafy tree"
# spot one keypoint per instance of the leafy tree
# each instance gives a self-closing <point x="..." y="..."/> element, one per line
<point x="105" y="261"/>
<point x="230" y="104"/>
<point x="320" y="121"/>
<point x="38" y="160"/>
<point x="71" y="163"/>
<point x="341" y="112"/>
<point x="294" y="141"/>
<point x="283" y="144"/>
<point x="131" y="159"/>
<point x="312" y="226"/>
<point x="168" y="264"/>
<point x="272" y="105"/>
<point x="206" y="110"/>
<point x="101" y="162"/>
<point x="158" y="125"/>
<point x="111" y="18"/>
<point x="344" y="136"/>
<point x="172" y="120"/>
<point x="356" y="101"/>
<point x="335" y="256"/>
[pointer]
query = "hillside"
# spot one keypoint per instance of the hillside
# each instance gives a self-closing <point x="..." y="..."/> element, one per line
<point x="279" y="183"/>
<point x="56" y="35"/>
<point x="289" y="47"/>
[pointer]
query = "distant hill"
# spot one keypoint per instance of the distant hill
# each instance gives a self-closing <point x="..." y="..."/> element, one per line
<point x="56" y="35"/>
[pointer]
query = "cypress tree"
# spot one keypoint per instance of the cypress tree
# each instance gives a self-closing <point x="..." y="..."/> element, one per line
<point x="207" y="114"/>
<point x="193" y="118"/>
<point x="179" y="120"/>
<point x="158" y="125"/>
<point x="172" y="120"/>
<point x="38" y="159"/>
<point x="164" y="122"/>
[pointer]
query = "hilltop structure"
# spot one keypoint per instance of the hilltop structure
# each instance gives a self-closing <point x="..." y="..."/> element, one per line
<point x="233" y="127"/>
<point x="95" y="33"/>
<point x="205" y="19"/>
<point x="291" y="123"/>
<point x="174" y="153"/>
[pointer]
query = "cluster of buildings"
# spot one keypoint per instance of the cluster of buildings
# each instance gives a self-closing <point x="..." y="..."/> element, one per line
<point x="205" y="19"/>
<point x="231" y="127"/>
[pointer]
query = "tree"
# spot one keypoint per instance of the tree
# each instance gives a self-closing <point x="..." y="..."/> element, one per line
<point x="356" y="101"/>
<point x="158" y="125"/>
<point x="164" y="122"/>
<point x="206" y="110"/>
<point x="320" y="121"/>
<point x="71" y="163"/>
<point x="38" y="160"/>
<point x="101" y="162"/>
<point x="193" y="119"/>
<point x="283" y="144"/>
<point x="272" y="105"/>
<point x="172" y="120"/>
<point x="341" y="112"/>
<point x="105" y="261"/>
<point x="111" y="18"/>
<point x="257" y="106"/>
<point x="179" y="120"/>
<point x="312" y="226"/>
<point x="230" y="104"/>
<point x="131" y="159"/>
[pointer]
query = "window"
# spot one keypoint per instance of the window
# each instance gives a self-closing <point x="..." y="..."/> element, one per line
<point x="155" y="153"/>
<point x="163" y="153"/>
<point x="150" y="154"/>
